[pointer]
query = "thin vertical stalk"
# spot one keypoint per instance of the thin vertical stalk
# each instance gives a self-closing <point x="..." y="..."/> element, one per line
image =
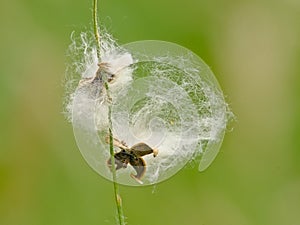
<point x="118" y="199"/>
<point x="96" y="29"/>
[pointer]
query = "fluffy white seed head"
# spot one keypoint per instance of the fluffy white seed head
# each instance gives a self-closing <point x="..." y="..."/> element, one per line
<point x="162" y="95"/>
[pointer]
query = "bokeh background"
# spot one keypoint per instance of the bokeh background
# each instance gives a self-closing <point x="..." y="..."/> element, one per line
<point x="253" y="47"/>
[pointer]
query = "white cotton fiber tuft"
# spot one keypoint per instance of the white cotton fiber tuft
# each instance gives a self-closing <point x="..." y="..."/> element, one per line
<point x="162" y="95"/>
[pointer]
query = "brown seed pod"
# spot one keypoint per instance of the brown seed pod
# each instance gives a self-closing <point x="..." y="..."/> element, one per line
<point x="132" y="156"/>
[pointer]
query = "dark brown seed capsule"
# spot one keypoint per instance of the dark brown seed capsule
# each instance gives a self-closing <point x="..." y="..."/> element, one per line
<point x="131" y="156"/>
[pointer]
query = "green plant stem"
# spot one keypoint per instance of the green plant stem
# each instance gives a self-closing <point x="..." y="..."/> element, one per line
<point x="118" y="198"/>
<point x="96" y="29"/>
<point x="111" y="147"/>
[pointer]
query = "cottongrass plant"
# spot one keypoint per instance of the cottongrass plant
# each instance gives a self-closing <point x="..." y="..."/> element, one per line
<point x="140" y="112"/>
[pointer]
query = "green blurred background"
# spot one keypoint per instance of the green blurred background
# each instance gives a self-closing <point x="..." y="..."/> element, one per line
<point x="254" y="49"/>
